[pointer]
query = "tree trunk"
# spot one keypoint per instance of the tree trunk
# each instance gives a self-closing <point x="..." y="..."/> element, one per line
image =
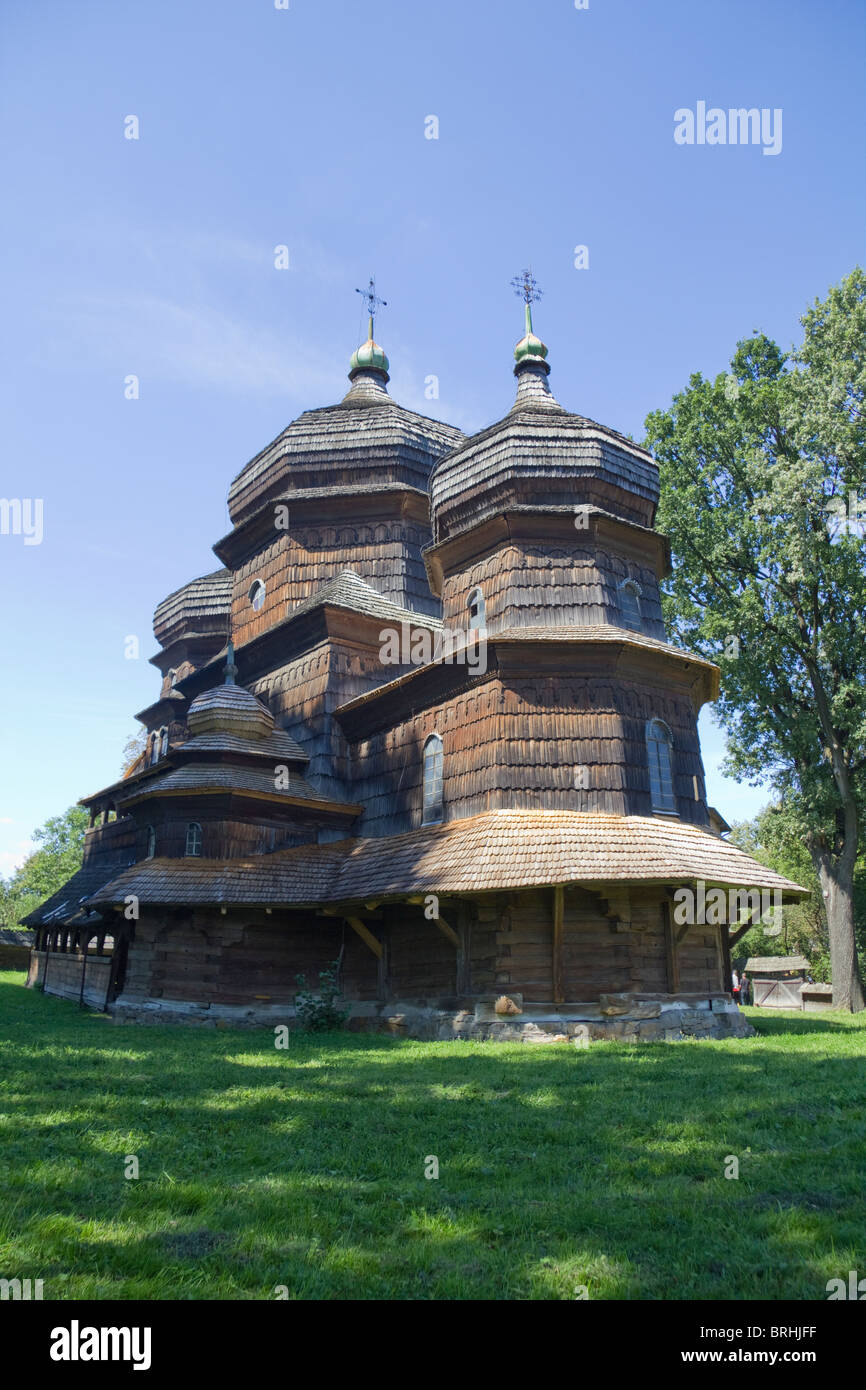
<point x="837" y="886"/>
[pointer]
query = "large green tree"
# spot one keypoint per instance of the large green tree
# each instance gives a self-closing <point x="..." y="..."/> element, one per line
<point x="774" y="836"/>
<point x="763" y="474"/>
<point x="61" y="847"/>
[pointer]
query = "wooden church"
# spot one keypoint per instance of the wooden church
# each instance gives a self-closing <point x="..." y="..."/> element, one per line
<point x="423" y="722"/>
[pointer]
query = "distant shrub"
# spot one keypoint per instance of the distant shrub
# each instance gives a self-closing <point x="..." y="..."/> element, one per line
<point x="320" y="1011"/>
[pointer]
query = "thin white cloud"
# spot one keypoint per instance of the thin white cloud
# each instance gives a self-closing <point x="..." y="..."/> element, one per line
<point x="156" y="338"/>
<point x="12" y="859"/>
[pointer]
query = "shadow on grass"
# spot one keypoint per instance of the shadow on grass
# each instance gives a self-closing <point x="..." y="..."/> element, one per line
<point x="305" y="1167"/>
<point x="775" y="1024"/>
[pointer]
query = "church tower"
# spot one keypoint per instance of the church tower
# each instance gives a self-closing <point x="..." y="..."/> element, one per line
<point x="543" y="538"/>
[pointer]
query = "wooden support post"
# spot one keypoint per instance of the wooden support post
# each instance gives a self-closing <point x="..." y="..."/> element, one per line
<point x="673" y="969"/>
<point x="83" y="975"/>
<point x="558" y="932"/>
<point x="447" y="930"/>
<point x="384" y="979"/>
<point x="720" y="954"/>
<point x="727" y="967"/>
<point x="366" y="936"/>
<point x="462" y="982"/>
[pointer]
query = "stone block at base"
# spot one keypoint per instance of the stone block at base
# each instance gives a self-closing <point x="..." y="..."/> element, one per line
<point x="637" y="1018"/>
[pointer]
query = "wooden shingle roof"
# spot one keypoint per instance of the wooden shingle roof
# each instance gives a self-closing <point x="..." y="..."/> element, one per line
<point x="543" y="455"/>
<point x="494" y="851"/>
<point x="348" y="590"/>
<point x="360" y="439"/>
<point x="70" y="900"/>
<point x="212" y="777"/>
<point x="278" y="746"/>
<point x="202" y="605"/>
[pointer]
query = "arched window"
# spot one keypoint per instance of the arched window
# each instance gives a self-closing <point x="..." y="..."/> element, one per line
<point x="433" y="808"/>
<point x="659" y="746"/>
<point x="628" y="593"/>
<point x="151" y="842"/>
<point x="193" y="839"/>
<point x="172" y="677"/>
<point x="257" y="594"/>
<point x="476" y="610"/>
<point x="153" y="743"/>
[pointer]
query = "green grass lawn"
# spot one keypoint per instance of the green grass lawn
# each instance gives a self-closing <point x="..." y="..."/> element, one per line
<point x="305" y="1167"/>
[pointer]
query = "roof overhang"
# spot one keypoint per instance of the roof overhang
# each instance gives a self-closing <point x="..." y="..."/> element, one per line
<point x="314" y="506"/>
<point x="528" y="653"/>
<point x="546" y="524"/>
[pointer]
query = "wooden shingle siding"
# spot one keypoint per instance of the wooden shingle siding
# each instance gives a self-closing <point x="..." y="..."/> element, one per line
<point x="527" y="585"/>
<point x="518" y="745"/>
<point x="295" y="567"/>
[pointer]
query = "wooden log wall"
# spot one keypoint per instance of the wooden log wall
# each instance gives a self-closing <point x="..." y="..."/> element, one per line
<point x="700" y="956"/>
<point x="203" y="957"/>
<point x="509" y="943"/>
<point x="114" y="841"/>
<point x="517" y="745"/>
<point x="423" y="961"/>
<point x="528" y="584"/>
<point x="66" y="972"/>
<point x="223" y="836"/>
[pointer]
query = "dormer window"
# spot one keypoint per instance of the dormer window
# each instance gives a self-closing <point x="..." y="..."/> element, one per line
<point x="476" y="611"/>
<point x="433" y="809"/>
<point x="151" y="842"/>
<point x="257" y="594"/>
<point x="193" y="840"/>
<point x="659" y="745"/>
<point x="629" y="596"/>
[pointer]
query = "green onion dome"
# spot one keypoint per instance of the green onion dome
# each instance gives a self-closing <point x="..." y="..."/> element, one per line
<point x="530" y="347"/>
<point x="369" y="357"/>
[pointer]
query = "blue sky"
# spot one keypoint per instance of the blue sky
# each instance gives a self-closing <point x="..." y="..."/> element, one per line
<point x="306" y="128"/>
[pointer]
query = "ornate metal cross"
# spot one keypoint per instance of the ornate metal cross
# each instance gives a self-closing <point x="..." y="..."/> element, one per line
<point x="526" y="286"/>
<point x="373" y="301"/>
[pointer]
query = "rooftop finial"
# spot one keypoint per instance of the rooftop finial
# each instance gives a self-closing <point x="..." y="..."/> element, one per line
<point x="526" y="286"/>
<point x="231" y="668"/>
<point x="373" y="301"/>
<point x="369" y="357"/>
<point x="530" y="348"/>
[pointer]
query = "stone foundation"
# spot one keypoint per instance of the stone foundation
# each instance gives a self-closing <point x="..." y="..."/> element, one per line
<point x="615" y="1017"/>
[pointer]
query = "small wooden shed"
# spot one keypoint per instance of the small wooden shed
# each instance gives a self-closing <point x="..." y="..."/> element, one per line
<point x="777" y="980"/>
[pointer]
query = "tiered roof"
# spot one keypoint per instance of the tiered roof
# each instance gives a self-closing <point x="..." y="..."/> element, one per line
<point x="495" y="851"/>
<point x="201" y="606"/>
<point x="366" y="438"/>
